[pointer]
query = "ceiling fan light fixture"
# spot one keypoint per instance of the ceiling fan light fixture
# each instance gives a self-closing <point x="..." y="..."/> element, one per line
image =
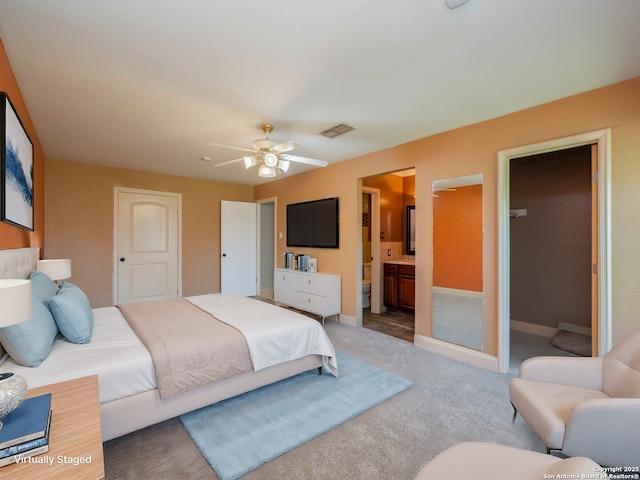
<point x="249" y="162"/>
<point x="455" y="3"/>
<point x="283" y="165"/>
<point x="270" y="159"/>
<point x="267" y="171"/>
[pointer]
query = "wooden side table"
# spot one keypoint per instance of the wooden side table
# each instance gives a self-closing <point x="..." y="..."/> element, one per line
<point x="75" y="438"/>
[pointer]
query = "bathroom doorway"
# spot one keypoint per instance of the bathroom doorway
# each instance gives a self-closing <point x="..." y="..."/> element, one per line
<point x="383" y="200"/>
<point x="371" y="280"/>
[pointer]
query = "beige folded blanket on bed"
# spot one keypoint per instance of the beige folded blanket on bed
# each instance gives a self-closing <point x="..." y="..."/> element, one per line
<point x="189" y="347"/>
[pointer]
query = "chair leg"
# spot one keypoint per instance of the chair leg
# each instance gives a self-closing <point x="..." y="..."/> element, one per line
<point x="515" y="413"/>
<point x="556" y="453"/>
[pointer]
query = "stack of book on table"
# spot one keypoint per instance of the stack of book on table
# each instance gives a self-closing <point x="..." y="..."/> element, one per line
<point x="25" y="431"/>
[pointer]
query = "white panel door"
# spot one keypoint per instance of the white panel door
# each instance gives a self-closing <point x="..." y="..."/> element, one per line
<point x="147" y="250"/>
<point x="239" y="248"/>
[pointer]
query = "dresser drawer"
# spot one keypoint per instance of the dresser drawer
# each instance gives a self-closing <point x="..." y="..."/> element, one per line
<point x="311" y="284"/>
<point x="310" y="303"/>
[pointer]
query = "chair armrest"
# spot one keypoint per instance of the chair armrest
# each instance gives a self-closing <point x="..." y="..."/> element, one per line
<point x="605" y="430"/>
<point x="583" y="372"/>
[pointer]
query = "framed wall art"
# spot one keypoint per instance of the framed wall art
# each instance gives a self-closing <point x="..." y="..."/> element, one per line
<point x="16" y="164"/>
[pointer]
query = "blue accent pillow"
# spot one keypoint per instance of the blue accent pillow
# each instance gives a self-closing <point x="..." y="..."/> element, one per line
<point x="47" y="288"/>
<point x="29" y="342"/>
<point x="72" y="313"/>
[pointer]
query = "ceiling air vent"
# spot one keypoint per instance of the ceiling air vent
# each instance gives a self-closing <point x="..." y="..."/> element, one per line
<point x="337" y="130"/>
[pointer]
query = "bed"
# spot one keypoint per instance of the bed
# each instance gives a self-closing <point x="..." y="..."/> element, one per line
<point x="281" y="344"/>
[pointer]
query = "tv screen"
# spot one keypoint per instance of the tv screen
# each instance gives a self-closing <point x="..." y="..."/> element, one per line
<point x="314" y="224"/>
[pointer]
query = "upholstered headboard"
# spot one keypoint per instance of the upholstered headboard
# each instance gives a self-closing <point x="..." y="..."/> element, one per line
<point x="18" y="262"/>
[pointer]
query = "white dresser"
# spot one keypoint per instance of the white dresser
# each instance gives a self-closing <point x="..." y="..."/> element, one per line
<point x="317" y="293"/>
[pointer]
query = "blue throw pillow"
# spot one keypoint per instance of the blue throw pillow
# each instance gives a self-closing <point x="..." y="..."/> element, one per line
<point x="29" y="342"/>
<point x="46" y="287"/>
<point x="72" y="313"/>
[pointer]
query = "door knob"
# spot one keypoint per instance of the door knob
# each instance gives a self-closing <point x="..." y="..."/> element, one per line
<point x="122" y="259"/>
<point x="224" y="254"/>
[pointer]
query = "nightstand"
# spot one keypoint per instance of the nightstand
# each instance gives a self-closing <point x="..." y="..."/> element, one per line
<point x="75" y="439"/>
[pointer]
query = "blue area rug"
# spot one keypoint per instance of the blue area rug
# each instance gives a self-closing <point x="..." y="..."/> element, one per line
<point x="240" y="434"/>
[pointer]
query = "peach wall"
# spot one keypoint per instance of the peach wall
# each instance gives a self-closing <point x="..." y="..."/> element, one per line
<point x="10" y="236"/>
<point x="457" y="239"/>
<point x="473" y="149"/>
<point x="80" y="213"/>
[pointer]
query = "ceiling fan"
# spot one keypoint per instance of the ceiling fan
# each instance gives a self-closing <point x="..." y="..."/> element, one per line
<point x="270" y="156"/>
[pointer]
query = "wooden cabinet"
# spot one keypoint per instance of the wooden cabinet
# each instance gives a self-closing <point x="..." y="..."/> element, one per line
<point x="317" y="293"/>
<point x="400" y="286"/>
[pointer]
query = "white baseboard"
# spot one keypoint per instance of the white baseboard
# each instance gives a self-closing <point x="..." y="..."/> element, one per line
<point x="458" y="352"/>
<point x="455" y="291"/>
<point x="533" y="329"/>
<point x="569" y="327"/>
<point x="546" y="331"/>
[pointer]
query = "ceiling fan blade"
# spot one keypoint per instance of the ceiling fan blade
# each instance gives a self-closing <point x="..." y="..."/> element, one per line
<point x="308" y="161"/>
<point x="285" y="147"/>
<point x="232" y="147"/>
<point x="228" y="162"/>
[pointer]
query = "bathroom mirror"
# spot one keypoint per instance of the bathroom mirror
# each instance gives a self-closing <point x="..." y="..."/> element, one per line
<point x="410" y="236"/>
<point x="457" y="292"/>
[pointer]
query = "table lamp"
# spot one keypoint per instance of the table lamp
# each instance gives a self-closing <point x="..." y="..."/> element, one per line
<point x="15" y="298"/>
<point x="56" y="269"/>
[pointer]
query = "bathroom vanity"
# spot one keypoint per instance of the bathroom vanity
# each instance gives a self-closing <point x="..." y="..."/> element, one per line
<point x="400" y="285"/>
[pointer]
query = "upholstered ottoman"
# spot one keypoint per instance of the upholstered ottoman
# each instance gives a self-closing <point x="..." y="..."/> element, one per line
<point x="488" y="461"/>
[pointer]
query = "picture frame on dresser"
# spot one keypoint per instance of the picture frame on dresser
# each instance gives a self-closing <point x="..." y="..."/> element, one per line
<point x="16" y="168"/>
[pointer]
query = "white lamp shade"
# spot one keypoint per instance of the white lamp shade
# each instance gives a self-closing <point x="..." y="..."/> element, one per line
<point x="55" y="269"/>
<point x="283" y="165"/>
<point x="266" y="171"/>
<point x="249" y="162"/>
<point x="15" y="298"/>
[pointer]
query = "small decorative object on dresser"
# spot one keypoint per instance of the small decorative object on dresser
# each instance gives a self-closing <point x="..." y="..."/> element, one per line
<point x="15" y="298"/>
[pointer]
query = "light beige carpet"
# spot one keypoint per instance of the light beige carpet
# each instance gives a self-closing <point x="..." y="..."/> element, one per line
<point x="450" y="402"/>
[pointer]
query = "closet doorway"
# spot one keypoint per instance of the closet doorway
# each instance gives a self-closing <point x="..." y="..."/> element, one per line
<point x="554" y="241"/>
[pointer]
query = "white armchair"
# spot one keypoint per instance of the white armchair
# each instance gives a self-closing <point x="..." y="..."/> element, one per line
<point x="588" y="407"/>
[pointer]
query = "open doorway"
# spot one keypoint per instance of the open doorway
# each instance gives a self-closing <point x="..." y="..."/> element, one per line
<point x="601" y="268"/>
<point x="383" y="200"/>
<point x="551" y="246"/>
<point x="266" y="247"/>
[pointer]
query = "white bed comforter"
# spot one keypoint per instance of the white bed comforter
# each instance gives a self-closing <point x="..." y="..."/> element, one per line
<point x="274" y="334"/>
<point x="115" y="354"/>
<point x="124" y="366"/>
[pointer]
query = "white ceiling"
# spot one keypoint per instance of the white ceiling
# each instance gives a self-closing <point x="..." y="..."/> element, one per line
<point x="147" y="84"/>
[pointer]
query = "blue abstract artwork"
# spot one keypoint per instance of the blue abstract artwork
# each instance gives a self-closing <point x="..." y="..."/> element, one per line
<point x="17" y="201"/>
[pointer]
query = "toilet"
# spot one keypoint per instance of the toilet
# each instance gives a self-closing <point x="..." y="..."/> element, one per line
<point x="366" y="285"/>
<point x="366" y="293"/>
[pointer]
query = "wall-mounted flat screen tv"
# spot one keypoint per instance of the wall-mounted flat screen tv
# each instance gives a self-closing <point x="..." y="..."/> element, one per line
<point x="314" y="224"/>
